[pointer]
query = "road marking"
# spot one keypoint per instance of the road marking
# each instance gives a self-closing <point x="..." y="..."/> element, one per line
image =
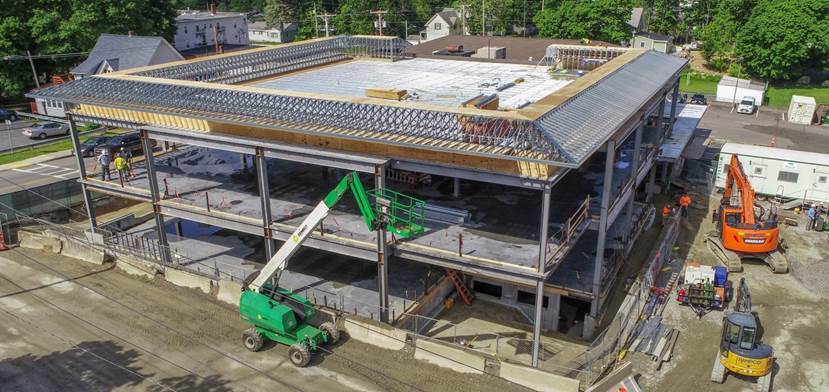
<point x="43" y="169"/>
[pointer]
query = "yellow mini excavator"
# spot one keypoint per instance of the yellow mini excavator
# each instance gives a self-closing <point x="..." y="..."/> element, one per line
<point x="740" y="349"/>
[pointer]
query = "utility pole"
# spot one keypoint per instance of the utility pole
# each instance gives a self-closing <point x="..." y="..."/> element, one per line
<point x="463" y="19"/>
<point x="406" y="29"/>
<point x="34" y="73"/>
<point x="483" y="18"/>
<point x="325" y="18"/>
<point x="316" y="22"/>
<point x="380" y="14"/>
<point x="524" y="29"/>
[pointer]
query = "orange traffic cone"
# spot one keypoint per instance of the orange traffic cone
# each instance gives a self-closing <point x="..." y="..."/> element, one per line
<point x="3" y="240"/>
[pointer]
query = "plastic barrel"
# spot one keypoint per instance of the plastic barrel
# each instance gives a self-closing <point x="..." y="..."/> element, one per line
<point x="720" y="275"/>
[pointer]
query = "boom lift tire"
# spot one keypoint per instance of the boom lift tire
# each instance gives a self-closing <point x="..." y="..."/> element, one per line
<point x="332" y="331"/>
<point x="252" y="339"/>
<point x="299" y="354"/>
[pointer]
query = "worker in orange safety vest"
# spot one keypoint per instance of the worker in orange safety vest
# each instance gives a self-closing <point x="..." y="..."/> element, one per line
<point x="666" y="213"/>
<point x="684" y="202"/>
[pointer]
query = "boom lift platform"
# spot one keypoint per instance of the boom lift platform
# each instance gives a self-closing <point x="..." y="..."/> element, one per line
<point x="745" y="230"/>
<point x="283" y="316"/>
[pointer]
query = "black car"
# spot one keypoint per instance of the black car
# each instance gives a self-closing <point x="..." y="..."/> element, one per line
<point x="128" y="142"/>
<point x="88" y="147"/>
<point x="698" y="99"/>
<point x="6" y="114"/>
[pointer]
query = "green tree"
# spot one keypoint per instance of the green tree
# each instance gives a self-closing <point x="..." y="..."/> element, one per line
<point x="280" y="12"/>
<point x="604" y="20"/>
<point x="663" y="17"/>
<point x="353" y="17"/>
<point x="783" y="38"/>
<point x="719" y="36"/>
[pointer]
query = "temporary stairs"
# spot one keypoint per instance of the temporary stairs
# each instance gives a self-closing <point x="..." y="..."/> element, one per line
<point x="463" y="291"/>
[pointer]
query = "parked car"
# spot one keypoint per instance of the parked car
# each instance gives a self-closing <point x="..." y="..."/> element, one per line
<point x="88" y="147"/>
<point x="698" y="99"/>
<point x="6" y="114"/>
<point x="129" y="142"/>
<point x="44" y="130"/>
<point x="746" y="105"/>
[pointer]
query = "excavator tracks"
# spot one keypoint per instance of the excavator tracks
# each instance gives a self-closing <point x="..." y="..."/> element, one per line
<point x="733" y="261"/>
<point x="726" y="257"/>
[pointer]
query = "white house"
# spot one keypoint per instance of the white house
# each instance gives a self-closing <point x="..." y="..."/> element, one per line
<point x="197" y="29"/>
<point x="442" y="24"/>
<point x="260" y="32"/>
<point x="780" y="172"/>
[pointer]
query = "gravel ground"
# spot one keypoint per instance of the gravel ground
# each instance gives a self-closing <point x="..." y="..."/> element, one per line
<point x="102" y="330"/>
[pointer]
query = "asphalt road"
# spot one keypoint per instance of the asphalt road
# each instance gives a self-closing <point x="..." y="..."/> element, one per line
<point x="18" y="139"/>
<point x="38" y="174"/>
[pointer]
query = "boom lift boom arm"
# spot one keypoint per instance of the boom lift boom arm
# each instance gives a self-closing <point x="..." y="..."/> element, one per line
<point x="374" y="220"/>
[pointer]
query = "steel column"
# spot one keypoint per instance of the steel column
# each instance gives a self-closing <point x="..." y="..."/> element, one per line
<point x="600" y="245"/>
<point x="542" y="262"/>
<point x="382" y="253"/>
<point x="456" y="187"/>
<point x="634" y="166"/>
<point x="651" y="183"/>
<point x="265" y="199"/>
<point x="674" y="99"/>
<point x="660" y="122"/>
<point x="87" y="197"/>
<point x="149" y="162"/>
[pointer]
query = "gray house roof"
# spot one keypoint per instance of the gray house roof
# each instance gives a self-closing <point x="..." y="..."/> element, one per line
<point x="635" y="20"/>
<point x="263" y="26"/>
<point x="123" y="52"/>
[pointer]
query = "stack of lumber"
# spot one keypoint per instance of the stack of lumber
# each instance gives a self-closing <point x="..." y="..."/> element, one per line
<point x="385" y="93"/>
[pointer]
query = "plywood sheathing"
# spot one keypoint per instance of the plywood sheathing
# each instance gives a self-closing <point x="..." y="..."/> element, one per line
<point x="504" y="166"/>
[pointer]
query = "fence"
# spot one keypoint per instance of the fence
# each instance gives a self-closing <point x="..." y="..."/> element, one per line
<point x="604" y="350"/>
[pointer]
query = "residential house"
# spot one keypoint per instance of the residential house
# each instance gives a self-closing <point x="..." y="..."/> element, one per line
<point x="202" y="29"/>
<point x="442" y="24"/>
<point x="113" y="53"/>
<point x="260" y="32"/>
<point x="658" y="42"/>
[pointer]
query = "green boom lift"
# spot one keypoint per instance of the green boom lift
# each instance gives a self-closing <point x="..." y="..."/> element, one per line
<point x="282" y="316"/>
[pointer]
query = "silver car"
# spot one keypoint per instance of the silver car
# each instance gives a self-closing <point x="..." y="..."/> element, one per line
<point x="44" y="130"/>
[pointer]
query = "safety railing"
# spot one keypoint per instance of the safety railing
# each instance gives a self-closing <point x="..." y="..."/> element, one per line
<point x="576" y="223"/>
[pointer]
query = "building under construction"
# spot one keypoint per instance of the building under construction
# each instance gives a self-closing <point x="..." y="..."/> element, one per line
<point x="543" y="165"/>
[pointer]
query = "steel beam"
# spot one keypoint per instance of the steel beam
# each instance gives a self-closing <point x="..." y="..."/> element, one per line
<point x="382" y="252"/>
<point x="478" y="175"/>
<point x="603" y="224"/>
<point x="542" y="262"/>
<point x="87" y="197"/>
<point x="674" y="99"/>
<point x="149" y="163"/>
<point x="265" y="199"/>
<point x="245" y="145"/>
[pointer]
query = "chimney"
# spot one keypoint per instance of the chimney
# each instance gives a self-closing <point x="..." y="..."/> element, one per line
<point x="130" y="33"/>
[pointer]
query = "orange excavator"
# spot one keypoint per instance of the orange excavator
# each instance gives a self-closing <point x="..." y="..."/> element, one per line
<point x="745" y="230"/>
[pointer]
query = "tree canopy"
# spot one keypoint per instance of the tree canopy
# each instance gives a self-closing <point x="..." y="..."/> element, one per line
<point x="604" y="20"/>
<point x="70" y="26"/>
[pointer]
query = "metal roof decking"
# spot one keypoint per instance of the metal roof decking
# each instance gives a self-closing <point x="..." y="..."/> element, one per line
<point x="560" y="134"/>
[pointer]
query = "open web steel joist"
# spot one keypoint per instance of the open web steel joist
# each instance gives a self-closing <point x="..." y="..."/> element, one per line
<point x="565" y="134"/>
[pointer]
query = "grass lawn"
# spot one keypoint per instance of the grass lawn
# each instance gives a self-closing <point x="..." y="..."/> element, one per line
<point x="693" y="82"/>
<point x="63" y="145"/>
<point x="780" y="96"/>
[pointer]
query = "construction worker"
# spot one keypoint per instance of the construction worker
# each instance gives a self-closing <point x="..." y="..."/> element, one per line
<point x="684" y="202"/>
<point x="666" y="214"/>
<point x="122" y="166"/>
<point x="812" y="214"/>
<point x="128" y="156"/>
<point x="104" y="160"/>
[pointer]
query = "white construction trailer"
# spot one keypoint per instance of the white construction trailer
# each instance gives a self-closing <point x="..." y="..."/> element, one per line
<point x="795" y="176"/>
<point x="802" y="109"/>
<point x="731" y="89"/>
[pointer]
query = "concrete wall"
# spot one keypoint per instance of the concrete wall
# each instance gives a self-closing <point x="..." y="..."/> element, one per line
<point x="509" y="297"/>
<point x="82" y="251"/>
<point x="376" y="334"/>
<point x="229" y="292"/>
<point x="455" y="358"/>
<point x="536" y="379"/>
<point x="39" y="241"/>
<point x="188" y="279"/>
<point x="136" y="267"/>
